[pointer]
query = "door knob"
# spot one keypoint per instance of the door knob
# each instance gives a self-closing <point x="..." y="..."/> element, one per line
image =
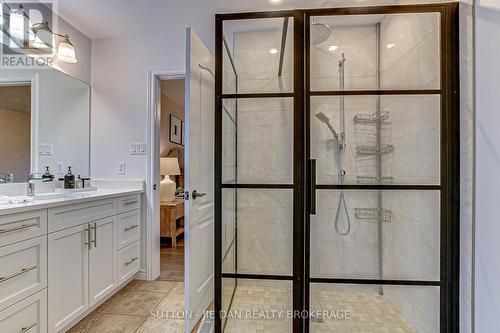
<point x="195" y="195"/>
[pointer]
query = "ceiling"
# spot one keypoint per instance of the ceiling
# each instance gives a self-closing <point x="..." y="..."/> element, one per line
<point x="99" y="19"/>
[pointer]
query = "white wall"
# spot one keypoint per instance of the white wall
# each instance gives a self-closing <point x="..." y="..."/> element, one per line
<point x="120" y="86"/>
<point x="487" y="232"/>
<point x="80" y="70"/>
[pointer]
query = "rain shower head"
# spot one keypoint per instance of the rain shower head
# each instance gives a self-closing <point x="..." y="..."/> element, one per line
<point x="325" y="120"/>
<point x="320" y="32"/>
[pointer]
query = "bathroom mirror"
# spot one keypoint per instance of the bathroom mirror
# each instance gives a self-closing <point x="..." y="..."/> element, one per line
<point x="44" y="122"/>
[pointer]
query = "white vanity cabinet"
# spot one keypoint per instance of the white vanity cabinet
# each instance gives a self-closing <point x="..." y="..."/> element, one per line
<point x="82" y="269"/>
<point x="58" y="264"/>
<point x="68" y="275"/>
<point x="102" y="259"/>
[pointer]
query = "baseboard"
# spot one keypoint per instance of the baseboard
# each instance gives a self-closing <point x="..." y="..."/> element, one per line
<point x="141" y="275"/>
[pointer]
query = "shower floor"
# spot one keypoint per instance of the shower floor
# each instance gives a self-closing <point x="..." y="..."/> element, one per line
<point x="367" y="311"/>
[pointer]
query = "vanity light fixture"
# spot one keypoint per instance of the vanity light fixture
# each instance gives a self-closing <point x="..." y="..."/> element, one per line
<point x="65" y="49"/>
<point x="17" y="25"/>
<point x="273" y="51"/>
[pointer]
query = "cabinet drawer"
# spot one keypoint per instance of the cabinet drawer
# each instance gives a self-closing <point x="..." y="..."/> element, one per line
<point x="129" y="228"/>
<point x="129" y="202"/>
<point x="27" y="316"/>
<point x="23" y="270"/>
<point x="18" y="227"/>
<point x="129" y="262"/>
<point x="73" y="215"/>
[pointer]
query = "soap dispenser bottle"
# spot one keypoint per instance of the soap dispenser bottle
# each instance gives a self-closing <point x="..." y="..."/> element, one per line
<point x="69" y="179"/>
<point x="47" y="176"/>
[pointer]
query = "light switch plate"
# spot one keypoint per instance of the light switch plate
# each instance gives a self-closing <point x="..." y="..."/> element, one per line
<point x="45" y="149"/>
<point x="138" y="148"/>
<point x="121" y="168"/>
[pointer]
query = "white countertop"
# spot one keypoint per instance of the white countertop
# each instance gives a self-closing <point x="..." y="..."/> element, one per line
<point x="68" y="199"/>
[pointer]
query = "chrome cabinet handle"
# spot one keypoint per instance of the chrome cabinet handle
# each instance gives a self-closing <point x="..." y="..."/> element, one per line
<point x="27" y="328"/>
<point x="195" y="195"/>
<point x="23" y="226"/>
<point x="89" y="242"/>
<point x="131" y="227"/>
<point x="94" y="227"/>
<point x="13" y="275"/>
<point x="130" y="202"/>
<point x="131" y="261"/>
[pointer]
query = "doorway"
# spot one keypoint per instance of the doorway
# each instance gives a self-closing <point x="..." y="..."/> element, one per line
<point x="337" y="170"/>
<point x="172" y="166"/>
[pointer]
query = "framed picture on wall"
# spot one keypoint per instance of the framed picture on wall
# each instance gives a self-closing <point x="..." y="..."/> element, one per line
<point x="183" y="133"/>
<point x="175" y="130"/>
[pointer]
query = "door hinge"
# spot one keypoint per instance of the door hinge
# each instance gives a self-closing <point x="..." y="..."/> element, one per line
<point x="186" y="195"/>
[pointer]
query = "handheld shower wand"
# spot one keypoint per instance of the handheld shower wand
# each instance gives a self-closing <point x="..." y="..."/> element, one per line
<point x="325" y="120"/>
<point x="341" y="148"/>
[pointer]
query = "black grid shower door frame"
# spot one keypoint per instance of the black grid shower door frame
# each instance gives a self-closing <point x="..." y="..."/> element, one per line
<point x="303" y="185"/>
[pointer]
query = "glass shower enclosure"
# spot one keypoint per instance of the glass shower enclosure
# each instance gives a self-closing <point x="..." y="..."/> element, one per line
<point x="337" y="168"/>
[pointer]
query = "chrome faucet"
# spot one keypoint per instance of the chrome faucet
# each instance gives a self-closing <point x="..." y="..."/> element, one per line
<point x="32" y="180"/>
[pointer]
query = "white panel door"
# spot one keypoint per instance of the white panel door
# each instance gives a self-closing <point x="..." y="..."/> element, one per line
<point x="199" y="158"/>
<point x="68" y="275"/>
<point x="102" y="258"/>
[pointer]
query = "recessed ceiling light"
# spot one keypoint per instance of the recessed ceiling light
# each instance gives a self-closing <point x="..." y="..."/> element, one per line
<point x="273" y="51"/>
<point x="390" y="46"/>
<point x="332" y="48"/>
<point x="275" y="1"/>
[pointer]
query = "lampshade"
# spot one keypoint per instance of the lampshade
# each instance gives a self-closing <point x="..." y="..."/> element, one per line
<point x="17" y="23"/>
<point x="169" y="166"/>
<point x="66" y="51"/>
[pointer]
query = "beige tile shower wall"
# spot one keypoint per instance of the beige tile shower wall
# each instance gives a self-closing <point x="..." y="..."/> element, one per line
<point x="228" y="230"/>
<point x="229" y="119"/>
<point x="411" y="241"/>
<point x="264" y="154"/>
<point x="410" y="60"/>
<point x="410" y="51"/>
<point x="265" y="141"/>
<point x="257" y="67"/>
<point x="350" y="256"/>
<point x="265" y="224"/>
<point x="404" y="227"/>
<point x="414" y="131"/>
<point x="358" y="43"/>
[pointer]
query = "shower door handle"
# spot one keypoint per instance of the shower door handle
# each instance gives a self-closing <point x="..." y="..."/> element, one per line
<point x="312" y="187"/>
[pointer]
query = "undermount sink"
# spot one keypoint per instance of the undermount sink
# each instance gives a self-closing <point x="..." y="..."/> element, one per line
<point x="48" y="196"/>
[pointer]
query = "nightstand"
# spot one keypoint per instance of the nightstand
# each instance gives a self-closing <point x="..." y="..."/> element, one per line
<point x="172" y="219"/>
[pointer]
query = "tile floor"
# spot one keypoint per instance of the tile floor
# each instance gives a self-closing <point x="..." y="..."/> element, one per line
<point x="130" y="310"/>
<point x="369" y="312"/>
<point x="172" y="262"/>
<point x="153" y="307"/>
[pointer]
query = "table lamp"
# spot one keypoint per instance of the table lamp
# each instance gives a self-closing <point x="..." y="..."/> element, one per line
<point x="169" y="166"/>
